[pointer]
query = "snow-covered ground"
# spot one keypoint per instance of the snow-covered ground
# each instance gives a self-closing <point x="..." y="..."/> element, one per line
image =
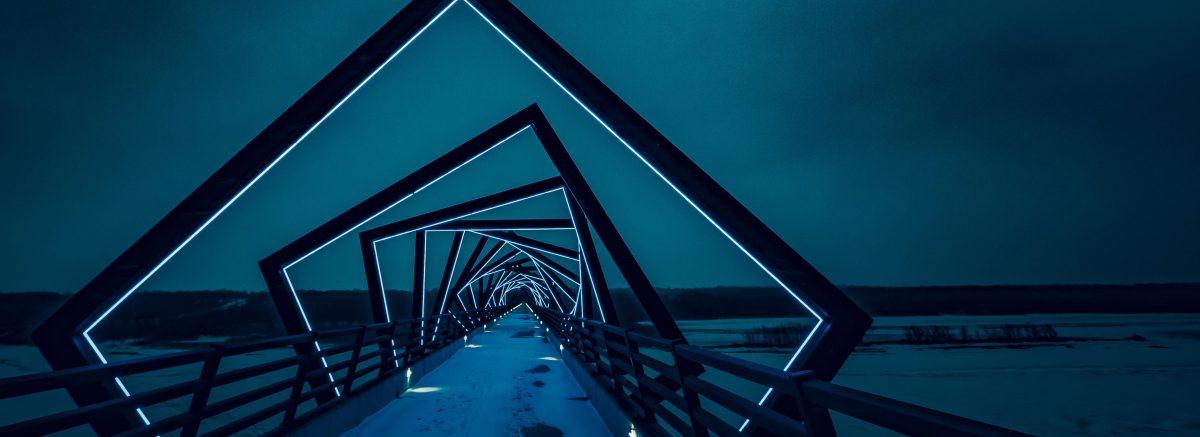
<point x="507" y="381"/>
<point x="1099" y="382"/>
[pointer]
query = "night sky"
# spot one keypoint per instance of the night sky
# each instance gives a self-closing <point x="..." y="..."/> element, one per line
<point x="889" y="142"/>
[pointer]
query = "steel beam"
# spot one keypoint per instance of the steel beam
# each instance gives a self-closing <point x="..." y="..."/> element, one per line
<point x="442" y="295"/>
<point x="503" y="225"/>
<point x="517" y="239"/>
<point x="596" y="285"/>
<point x="844" y="323"/>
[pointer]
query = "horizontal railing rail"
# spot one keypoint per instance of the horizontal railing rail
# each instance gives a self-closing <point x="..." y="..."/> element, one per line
<point x="376" y="351"/>
<point x="660" y="381"/>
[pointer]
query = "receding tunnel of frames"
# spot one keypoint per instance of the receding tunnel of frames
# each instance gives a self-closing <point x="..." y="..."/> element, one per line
<point x="503" y="258"/>
<point x="459" y="259"/>
<point x="504" y="264"/>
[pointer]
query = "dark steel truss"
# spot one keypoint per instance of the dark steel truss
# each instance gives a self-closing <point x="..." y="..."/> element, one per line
<point x="476" y="266"/>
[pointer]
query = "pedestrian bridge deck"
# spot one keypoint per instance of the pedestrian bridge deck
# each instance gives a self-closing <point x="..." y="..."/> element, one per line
<point x="508" y="380"/>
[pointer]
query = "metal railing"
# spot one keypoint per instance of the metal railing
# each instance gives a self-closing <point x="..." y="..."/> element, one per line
<point x="376" y="351"/>
<point x="670" y="389"/>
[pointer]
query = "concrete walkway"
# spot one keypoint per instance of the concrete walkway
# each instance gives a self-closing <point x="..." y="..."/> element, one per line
<point x="508" y="381"/>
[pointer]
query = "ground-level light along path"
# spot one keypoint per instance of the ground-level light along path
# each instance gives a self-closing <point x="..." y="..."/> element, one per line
<point x="507" y="381"/>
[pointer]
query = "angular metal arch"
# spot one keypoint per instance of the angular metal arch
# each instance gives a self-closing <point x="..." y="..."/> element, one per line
<point x="583" y="206"/>
<point x="476" y="266"/>
<point x="585" y="210"/>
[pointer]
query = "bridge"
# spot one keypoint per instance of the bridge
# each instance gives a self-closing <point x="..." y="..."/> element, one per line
<point x="515" y="368"/>
<point x="523" y="337"/>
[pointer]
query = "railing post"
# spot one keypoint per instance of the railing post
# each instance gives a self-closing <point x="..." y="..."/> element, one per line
<point x="451" y="329"/>
<point x="416" y="334"/>
<point x="204" y="387"/>
<point x="424" y="337"/>
<point x="815" y="417"/>
<point x="570" y="335"/>
<point x="447" y="320"/>
<point x="390" y="353"/>
<point x="582" y="332"/>
<point x="614" y="372"/>
<point x="687" y="368"/>
<point x="352" y="370"/>
<point x="583" y="336"/>
<point x="596" y="334"/>
<point x="450" y="332"/>
<point x="639" y="372"/>
<point x="289" y="414"/>
<point x="422" y="344"/>
<point x="430" y="334"/>
<point x="412" y="327"/>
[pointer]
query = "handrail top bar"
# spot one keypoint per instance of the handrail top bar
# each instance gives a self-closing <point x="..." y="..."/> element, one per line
<point x="901" y="416"/>
<point x="612" y="329"/>
<point x="655" y="342"/>
<point x="739" y="367"/>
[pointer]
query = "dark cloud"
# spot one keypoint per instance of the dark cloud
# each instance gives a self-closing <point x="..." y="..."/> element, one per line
<point x="889" y="142"/>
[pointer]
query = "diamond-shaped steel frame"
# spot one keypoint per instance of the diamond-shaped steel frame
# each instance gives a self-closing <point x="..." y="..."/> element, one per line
<point x="582" y="204"/>
<point x="479" y="264"/>
<point x="475" y="268"/>
<point x="63" y="338"/>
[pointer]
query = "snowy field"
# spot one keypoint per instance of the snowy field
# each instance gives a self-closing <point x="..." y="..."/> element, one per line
<point x="1098" y="380"/>
<point x="1108" y="374"/>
